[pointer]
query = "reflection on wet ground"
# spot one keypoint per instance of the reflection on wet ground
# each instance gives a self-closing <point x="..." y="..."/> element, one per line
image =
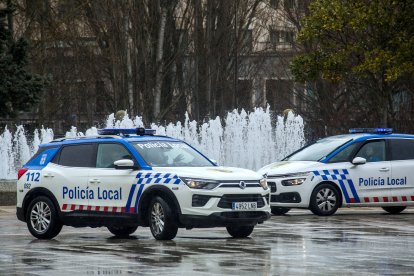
<point x="355" y="241"/>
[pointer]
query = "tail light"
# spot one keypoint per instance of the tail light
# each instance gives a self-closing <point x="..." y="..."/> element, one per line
<point x="21" y="172"/>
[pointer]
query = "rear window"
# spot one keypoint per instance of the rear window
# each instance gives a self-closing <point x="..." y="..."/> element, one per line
<point x="77" y="156"/>
<point x="402" y="149"/>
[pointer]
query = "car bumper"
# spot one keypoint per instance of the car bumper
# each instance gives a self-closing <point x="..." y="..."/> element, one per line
<point x="222" y="219"/>
<point x="289" y="196"/>
<point x="204" y="203"/>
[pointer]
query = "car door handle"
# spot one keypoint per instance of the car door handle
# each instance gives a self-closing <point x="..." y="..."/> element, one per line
<point x="48" y="175"/>
<point x="384" y="169"/>
<point x="95" y="181"/>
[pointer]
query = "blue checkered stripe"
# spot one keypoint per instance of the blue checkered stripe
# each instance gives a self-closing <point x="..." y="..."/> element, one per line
<point x="147" y="178"/>
<point x="345" y="182"/>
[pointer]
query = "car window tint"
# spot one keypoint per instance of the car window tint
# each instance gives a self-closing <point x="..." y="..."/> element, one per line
<point x="402" y="149"/>
<point x="77" y="156"/>
<point x="345" y="154"/>
<point x="373" y="151"/>
<point x="109" y="153"/>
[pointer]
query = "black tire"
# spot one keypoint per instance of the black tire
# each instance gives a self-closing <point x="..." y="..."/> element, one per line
<point x="122" y="231"/>
<point x="162" y="220"/>
<point x="394" y="209"/>
<point x="279" y="211"/>
<point x="324" y="200"/>
<point x="240" y="231"/>
<point x="42" y="218"/>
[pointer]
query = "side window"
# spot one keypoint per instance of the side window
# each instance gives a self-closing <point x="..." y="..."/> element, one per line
<point x="345" y="155"/>
<point x="373" y="151"/>
<point x="77" y="156"/>
<point x="109" y="153"/>
<point x="402" y="149"/>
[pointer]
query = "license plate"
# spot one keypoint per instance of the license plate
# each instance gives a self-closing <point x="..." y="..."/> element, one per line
<point x="244" y="205"/>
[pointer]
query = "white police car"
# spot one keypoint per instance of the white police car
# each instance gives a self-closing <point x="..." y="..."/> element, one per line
<point x="368" y="167"/>
<point x="125" y="178"/>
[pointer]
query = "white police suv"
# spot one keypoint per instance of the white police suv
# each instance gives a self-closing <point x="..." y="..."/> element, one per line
<point x="125" y="178"/>
<point x="368" y="167"/>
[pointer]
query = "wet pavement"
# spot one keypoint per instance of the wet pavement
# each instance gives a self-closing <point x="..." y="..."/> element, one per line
<point x="363" y="241"/>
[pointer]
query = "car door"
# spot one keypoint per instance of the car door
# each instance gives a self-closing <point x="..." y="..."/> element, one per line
<point x="401" y="182"/>
<point x="370" y="179"/>
<point x="111" y="186"/>
<point x="67" y="175"/>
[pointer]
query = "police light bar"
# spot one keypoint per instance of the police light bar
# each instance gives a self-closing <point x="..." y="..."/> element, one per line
<point x="126" y="131"/>
<point x="371" y="130"/>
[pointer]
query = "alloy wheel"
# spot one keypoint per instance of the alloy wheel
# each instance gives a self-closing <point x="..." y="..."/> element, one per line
<point x="157" y="218"/>
<point x="40" y="217"/>
<point x="326" y="199"/>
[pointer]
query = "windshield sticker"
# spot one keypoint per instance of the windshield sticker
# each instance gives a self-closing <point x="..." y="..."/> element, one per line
<point x="163" y="145"/>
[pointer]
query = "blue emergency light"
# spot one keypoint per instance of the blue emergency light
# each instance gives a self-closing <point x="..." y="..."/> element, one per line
<point x="126" y="131"/>
<point x="371" y="130"/>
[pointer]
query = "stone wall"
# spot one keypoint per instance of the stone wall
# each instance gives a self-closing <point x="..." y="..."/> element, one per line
<point x="7" y="192"/>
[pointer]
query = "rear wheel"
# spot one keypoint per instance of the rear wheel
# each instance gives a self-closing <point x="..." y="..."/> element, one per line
<point x="394" y="209"/>
<point x="42" y="218"/>
<point x="279" y="211"/>
<point x="122" y="231"/>
<point x="324" y="200"/>
<point x="162" y="220"/>
<point x="240" y="231"/>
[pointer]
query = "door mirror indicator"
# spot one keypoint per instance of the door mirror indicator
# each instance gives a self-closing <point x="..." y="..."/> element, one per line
<point x="359" y="161"/>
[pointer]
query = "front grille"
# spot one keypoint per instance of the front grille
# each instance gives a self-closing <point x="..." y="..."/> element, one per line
<point x="272" y="186"/>
<point x="227" y="200"/>
<point x="236" y="183"/>
<point x="286" y="198"/>
<point x="200" y="200"/>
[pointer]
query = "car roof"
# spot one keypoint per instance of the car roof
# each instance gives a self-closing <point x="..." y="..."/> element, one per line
<point x="108" y="138"/>
<point x="366" y="136"/>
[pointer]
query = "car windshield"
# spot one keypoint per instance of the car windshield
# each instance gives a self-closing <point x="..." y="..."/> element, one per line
<point x="318" y="150"/>
<point x="170" y="154"/>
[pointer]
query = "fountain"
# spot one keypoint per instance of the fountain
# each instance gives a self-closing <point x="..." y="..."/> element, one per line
<point x="242" y="139"/>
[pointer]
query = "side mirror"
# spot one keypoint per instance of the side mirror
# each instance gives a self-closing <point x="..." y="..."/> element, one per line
<point x="359" y="161"/>
<point x="214" y="162"/>
<point x="124" y="164"/>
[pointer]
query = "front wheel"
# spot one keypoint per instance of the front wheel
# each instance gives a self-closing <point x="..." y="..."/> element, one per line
<point x="394" y="209"/>
<point x="279" y="211"/>
<point x="162" y="220"/>
<point x="240" y="231"/>
<point x="42" y="219"/>
<point x="324" y="200"/>
<point x="122" y="231"/>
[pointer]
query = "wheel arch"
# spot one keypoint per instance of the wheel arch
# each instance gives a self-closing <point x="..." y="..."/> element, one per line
<point x="39" y="191"/>
<point x="336" y="186"/>
<point x="153" y="191"/>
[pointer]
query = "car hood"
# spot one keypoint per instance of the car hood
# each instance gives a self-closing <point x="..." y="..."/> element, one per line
<point x="213" y="173"/>
<point x="287" y="167"/>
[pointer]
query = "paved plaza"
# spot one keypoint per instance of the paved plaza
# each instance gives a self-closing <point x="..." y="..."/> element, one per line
<point x="364" y="241"/>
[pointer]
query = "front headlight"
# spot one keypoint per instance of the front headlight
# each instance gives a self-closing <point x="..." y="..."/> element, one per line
<point x="263" y="183"/>
<point x="200" y="183"/>
<point x="293" y="182"/>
